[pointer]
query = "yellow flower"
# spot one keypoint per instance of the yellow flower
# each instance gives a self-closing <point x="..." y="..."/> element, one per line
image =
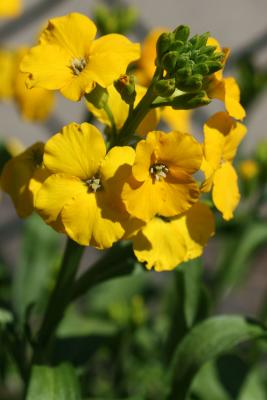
<point x="10" y="8"/>
<point x="68" y="57"/>
<point x="225" y="89"/>
<point x="16" y="177"/>
<point x="249" y="169"/>
<point x="165" y="243"/>
<point x="82" y="194"/>
<point x="7" y="68"/>
<point x="222" y="135"/>
<point x="120" y="111"/>
<point x="35" y="104"/>
<point x="161" y="180"/>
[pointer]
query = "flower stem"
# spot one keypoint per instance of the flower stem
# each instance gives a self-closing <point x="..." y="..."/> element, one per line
<point x="59" y="299"/>
<point x="136" y="115"/>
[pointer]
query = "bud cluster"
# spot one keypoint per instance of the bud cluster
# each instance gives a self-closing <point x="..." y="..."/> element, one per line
<point x="187" y="62"/>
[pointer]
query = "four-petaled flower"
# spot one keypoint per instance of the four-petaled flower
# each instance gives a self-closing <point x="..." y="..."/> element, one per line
<point x="222" y="135"/>
<point x="161" y="181"/>
<point x="81" y="196"/>
<point x="68" y="57"/>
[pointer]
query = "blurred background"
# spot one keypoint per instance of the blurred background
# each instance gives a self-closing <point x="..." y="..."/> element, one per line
<point x="235" y="261"/>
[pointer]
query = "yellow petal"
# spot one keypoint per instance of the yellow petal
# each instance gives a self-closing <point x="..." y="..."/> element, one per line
<point x="143" y="160"/>
<point x="175" y="197"/>
<point x="55" y="192"/>
<point x="37" y="180"/>
<point x="215" y="130"/>
<point x="47" y="67"/>
<point x="10" y="8"/>
<point x="114" y="171"/>
<point x="233" y="139"/>
<point x="232" y="99"/>
<point x="8" y="72"/>
<point x="109" y="57"/>
<point x="225" y="192"/>
<point x="78" y="151"/>
<point x="139" y="199"/>
<point x="179" y="151"/>
<point x="16" y="177"/>
<point x="88" y="226"/>
<point x="73" y="32"/>
<point x="196" y="227"/>
<point x="35" y="104"/>
<point x="178" y="120"/>
<point x="160" y="245"/>
<point x="117" y="106"/>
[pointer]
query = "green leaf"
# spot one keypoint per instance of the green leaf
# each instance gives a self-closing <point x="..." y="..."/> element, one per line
<point x="255" y="386"/>
<point x="235" y="262"/>
<point x="206" y="341"/>
<point x="5" y="317"/>
<point x="59" y="383"/>
<point x="189" y="303"/>
<point x="39" y="255"/>
<point x="207" y="385"/>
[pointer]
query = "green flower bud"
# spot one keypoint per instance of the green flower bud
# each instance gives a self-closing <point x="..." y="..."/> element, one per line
<point x="202" y="40"/>
<point x="169" y="61"/>
<point x="191" y="84"/>
<point x="125" y="85"/>
<point x="163" y="43"/>
<point x="182" y="60"/>
<point x="176" y="45"/>
<point x="202" y="69"/>
<point x="165" y="87"/>
<point x="98" y="96"/>
<point x="214" y="66"/>
<point x="182" y="33"/>
<point x="190" y="100"/>
<point x="208" y="50"/>
<point x="183" y="73"/>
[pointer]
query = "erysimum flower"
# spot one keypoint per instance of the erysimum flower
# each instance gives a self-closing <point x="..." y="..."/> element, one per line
<point x="17" y="175"/>
<point x="10" y="8"/>
<point x="225" y="89"/>
<point x="161" y="181"/>
<point x="35" y="104"/>
<point x="222" y="135"/>
<point x="82" y="193"/>
<point x="68" y="57"/>
<point x="164" y="243"/>
<point x="120" y="111"/>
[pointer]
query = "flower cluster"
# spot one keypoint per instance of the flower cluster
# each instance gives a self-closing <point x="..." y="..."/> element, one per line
<point x="139" y="184"/>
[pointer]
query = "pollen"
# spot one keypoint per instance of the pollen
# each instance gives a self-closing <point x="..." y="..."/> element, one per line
<point x="159" y="171"/>
<point x="94" y="184"/>
<point x="77" y="65"/>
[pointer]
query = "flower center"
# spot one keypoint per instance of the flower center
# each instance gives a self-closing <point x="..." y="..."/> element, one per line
<point x="94" y="183"/>
<point x="159" y="171"/>
<point x="77" y="65"/>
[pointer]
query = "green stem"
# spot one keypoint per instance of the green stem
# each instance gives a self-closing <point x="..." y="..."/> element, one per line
<point x="60" y="297"/>
<point x="110" y="116"/>
<point x="138" y="113"/>
<point x="118" y="261"/>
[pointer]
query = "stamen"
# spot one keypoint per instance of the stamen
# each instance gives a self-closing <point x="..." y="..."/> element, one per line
<point x="159" y="171"/>
<point x="94" y="183"/>
<point x="77" y="65"/>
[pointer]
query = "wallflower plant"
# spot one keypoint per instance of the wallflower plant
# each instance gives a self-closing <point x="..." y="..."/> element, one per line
<point x="134" y="183"/>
